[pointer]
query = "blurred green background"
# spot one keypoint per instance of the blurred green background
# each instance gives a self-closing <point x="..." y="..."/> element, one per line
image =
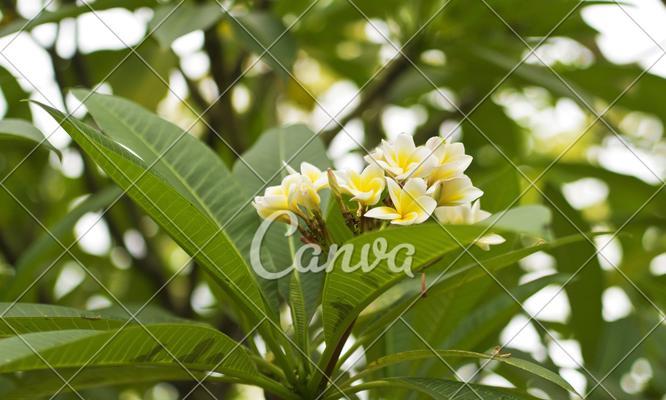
<point x="560" y="102"/>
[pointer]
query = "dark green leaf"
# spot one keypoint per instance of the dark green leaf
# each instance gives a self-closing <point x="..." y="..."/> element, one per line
<point x="21" y="318"/>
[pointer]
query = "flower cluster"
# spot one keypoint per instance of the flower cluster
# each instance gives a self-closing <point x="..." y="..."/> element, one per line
<point x="402" y="184"/>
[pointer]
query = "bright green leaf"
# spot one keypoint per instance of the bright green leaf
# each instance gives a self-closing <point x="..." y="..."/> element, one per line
<point x="193" y="230"/>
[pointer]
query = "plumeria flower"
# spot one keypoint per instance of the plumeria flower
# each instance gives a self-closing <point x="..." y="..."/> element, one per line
<point x="314" y="174"/>
<point x="274" y="200"/>
<point x="455" y="191"/>
<point x="301" y="192"/>
<point x="468" y="214"/>
<point x="402" y="159"/>
<point x="451" y="159"/>
<point x="295" y="191"/>
<point x="366" y="187"/>
<point x="411" y="203"/>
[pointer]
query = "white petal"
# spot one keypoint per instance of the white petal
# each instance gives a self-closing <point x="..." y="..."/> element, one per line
<point x="394" y="191"/>
<point x="308" y="169"/>
<point x="382" y="213"/>
<point x="450" y="214"/>
<point x="404" y="142"/>
<point x="472" y="194"/>
<point x="416" y="187"/>
<point x="486" y="241"/>
<point x="373" y="171"/>
<point x="428" y="205"/>
<point x="493" y="238"/>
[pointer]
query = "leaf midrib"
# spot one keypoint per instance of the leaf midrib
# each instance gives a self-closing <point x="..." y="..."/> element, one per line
<point x="161" y="159"/>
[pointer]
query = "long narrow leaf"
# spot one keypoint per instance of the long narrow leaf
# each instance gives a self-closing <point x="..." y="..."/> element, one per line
<point x="188" y="226"/>
<point x="426" y="354"/>
<point x="21" y="318"/>
<point x="196" y="346"/>
<point x="369" y="327"/>
<point x="37" y="384"/>
<point x="442" y="389"/>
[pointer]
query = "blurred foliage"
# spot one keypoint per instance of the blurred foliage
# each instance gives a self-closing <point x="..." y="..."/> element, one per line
<point x="462" y="67"/>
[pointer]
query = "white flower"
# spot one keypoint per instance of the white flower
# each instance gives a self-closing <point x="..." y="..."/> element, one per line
<point x="318" y="178"/>
<point x="451" y="159"/>
<point x="468" y="214"/>
<point x="300" y="192"/>
<point x="366" y="187"/>
<point x="295" y="191"/>
<point x="402" y="159"/>
<point x="411" y="204"/>
<point x="274" y="200"/>
<point x="455" y="191"/>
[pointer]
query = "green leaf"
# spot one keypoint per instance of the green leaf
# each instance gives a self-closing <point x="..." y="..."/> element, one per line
<point x="493" y="315"/>
<point x="43" y="251"/>
<point x="532" y="219"/>
<point x="258" y="30"/>
<point x="346" y="294"/>
<point x="190" y="228"/>
<point x="21" y="318"/>
<point x="195" y="346"/>
<point x="300" y="319"/>
<point x="500" y="188"/>
<point x="190" y="166"/>
<point x="149" y="65"/>
<point x="442" y="389"/>
<point x="335" y="223"/>
<point x="369" y="327"/>
<point x="426" y="354"/>
<point x="262" y="166"/>
<point x="534" y="74"/>
<point x="182" y="19"/>
<point x="14" y="94"/>
<point x="610" y="81"/>
<point x="37" y="384"/>
<point x="18" y="129"/>
<point x="69" y="11"/>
